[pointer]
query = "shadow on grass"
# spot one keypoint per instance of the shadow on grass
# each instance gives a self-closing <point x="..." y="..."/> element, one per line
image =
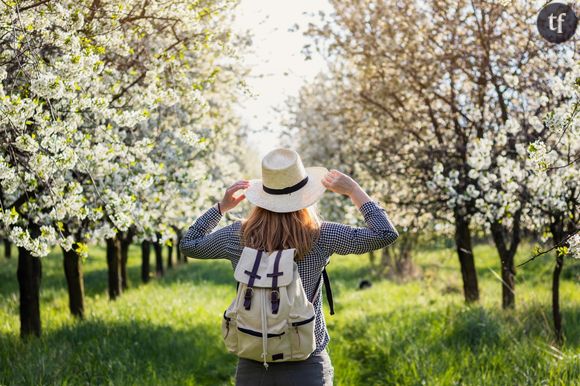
<point x="400" y="348"/>
<point x="537" y="320"/>
<point x="471" y="328"/>
<point x="95" y="352"/>
<point x="462" y="345"/>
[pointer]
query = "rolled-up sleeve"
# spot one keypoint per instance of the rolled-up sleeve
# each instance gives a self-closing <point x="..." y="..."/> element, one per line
<point x="344" y="239"/>
<point x="201" y="243"/>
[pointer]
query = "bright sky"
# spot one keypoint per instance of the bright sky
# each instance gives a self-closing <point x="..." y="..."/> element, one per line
<point x="278" y="66"/>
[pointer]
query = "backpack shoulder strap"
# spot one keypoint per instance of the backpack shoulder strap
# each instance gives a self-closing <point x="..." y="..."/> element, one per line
<point x="327" y="288"/>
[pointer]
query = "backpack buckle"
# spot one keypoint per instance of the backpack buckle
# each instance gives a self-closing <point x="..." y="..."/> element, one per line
<point x="248" y="298"/>
<point x="275" y="300"/>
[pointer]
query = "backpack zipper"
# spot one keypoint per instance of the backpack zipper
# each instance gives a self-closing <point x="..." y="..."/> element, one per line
<point x="300" y="323"/>
<point x="258" y="334"/>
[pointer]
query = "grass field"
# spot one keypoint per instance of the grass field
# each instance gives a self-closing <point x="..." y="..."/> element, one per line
<point x="417" y="333"/>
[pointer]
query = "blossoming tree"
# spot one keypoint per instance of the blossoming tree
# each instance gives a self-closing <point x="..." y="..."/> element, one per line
<point x="554" y="182"/>
<point x="90" y="92"/>
<point x="442" y="97"/>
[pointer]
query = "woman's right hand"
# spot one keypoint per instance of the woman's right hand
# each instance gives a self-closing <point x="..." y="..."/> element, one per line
<point x="339" y="182"/>
<point x="229" y="201"/>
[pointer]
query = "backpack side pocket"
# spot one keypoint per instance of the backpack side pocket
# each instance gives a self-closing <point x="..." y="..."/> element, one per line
<point x="302" y="339"/>
<point x="230" y="333"/>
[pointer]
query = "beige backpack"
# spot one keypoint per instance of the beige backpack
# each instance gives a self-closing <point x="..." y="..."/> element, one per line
<point x="271" y="319"/>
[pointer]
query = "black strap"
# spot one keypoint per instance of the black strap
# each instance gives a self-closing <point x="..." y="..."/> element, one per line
<point x="327" y="289"/>
<point x="274" y="275"/>
<point x="253" y="276"/>
<point x="287" y="190"/>
<point x="275" y="294"/>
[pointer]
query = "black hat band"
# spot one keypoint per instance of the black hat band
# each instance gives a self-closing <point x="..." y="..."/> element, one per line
<point x="287" y="190"/>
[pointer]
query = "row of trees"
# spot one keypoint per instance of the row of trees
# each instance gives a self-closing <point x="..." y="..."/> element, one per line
<point x="117" y="126"/>
<point x="459" y="116"/>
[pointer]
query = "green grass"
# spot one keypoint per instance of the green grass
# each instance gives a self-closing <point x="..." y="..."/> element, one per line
<point x="419" y="332"/>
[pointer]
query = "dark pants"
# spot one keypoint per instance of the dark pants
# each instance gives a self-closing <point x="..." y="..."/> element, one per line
<point x="314" y="371"/>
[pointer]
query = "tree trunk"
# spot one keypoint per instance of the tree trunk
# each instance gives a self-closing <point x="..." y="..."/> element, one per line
<point x="114" y="267"/>
<point x="145" y="266"/>
<point x="507" y="255"/>
<point x="558" y="234"/>
<point x="125" y="243"/>
<point x="396" y="261"/>
<point x="373" y="260"/>
<point x="556" y="298"/>
<point x="169" y="256"/>
<point x="158" y="258"/>
<point x="508" y="285"/>
<point x="74" y="280"/>
<point x="126" y="240"/>
<point x="180" y="258"/>
<point x="7" y="249"/>
<point x="29" y="274"/>
<point x="466" y="260"/>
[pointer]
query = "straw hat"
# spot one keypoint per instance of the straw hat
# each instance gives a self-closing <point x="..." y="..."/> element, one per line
<point x="286" y="185"/>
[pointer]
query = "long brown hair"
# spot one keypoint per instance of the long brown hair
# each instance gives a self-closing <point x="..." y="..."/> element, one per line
<point x="271" y="231"/>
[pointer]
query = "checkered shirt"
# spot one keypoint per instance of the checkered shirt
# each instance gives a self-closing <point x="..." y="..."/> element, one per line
<point x="225" y="243"/>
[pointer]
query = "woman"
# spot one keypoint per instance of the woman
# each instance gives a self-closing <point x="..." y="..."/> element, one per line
<point x="282" y="218"/>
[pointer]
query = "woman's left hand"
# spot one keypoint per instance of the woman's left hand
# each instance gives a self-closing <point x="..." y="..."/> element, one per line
<point x="229" y="201"/>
